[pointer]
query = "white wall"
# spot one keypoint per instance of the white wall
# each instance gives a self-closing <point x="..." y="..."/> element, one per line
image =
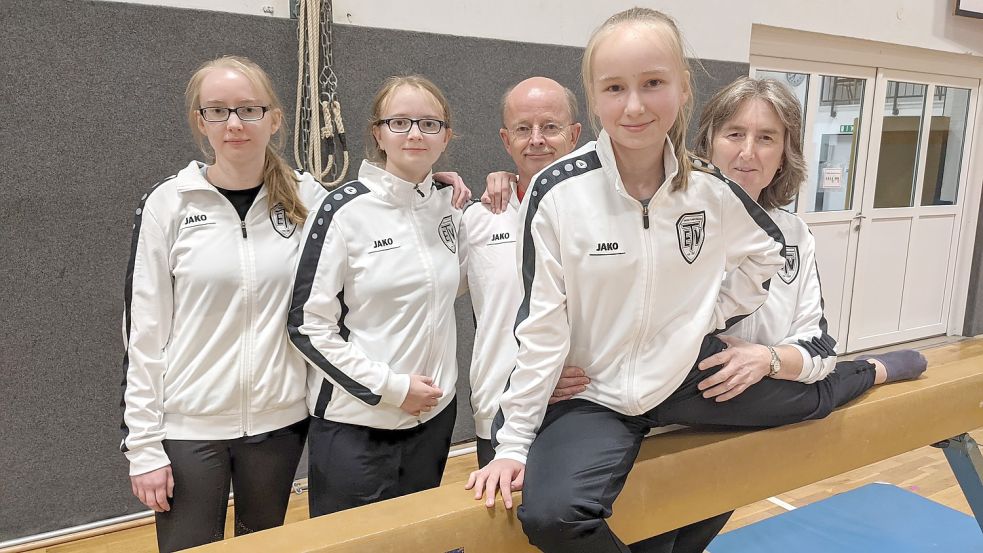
<point x="715" y="29"/>
<point x="280" y="8"/>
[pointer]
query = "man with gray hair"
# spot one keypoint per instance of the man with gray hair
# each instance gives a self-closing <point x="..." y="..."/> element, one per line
<point x="539" y="126"/>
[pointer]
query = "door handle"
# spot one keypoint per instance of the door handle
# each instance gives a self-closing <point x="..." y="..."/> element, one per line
<point x="858" y="219"/>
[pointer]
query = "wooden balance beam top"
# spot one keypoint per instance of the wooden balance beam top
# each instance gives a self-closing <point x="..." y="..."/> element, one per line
<point x="679" y="478"/>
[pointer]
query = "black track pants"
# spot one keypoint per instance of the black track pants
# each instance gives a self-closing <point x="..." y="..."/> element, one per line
<point x="579" y="461"/>
<point x="261" y="470"/>
<point x="352" y="465"/>
<point x="486" y="453"/>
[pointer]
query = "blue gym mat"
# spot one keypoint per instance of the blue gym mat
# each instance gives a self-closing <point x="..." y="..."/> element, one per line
<point x="876" y="518"/>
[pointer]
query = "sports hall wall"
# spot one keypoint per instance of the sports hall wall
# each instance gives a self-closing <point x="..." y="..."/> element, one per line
<point x="92" y="110"/>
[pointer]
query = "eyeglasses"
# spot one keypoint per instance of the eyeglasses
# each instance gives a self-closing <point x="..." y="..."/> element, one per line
<point x="548" y="130"/>
<point x="244" y="113"/>
<point x="404" y="124"/>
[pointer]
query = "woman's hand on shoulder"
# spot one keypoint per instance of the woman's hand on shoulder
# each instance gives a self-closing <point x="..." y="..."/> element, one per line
<point x="505" y="475"/>
<point x="744" y="365"/>
<point x="154" y="488"/>
<point x="462" y="194"/>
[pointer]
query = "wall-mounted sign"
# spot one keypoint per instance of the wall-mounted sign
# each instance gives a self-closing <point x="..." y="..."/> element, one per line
<point x="846" y="129"/>
<point x="832" y="177"/>
<point x="970" y="8"/>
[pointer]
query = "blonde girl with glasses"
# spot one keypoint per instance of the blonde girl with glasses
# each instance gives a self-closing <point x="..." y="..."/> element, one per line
<point x="213" y="393"/>
<point x="373" y="311"/>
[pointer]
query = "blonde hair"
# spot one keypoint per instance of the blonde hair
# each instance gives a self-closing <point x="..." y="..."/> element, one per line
<point x="661" y="22"/>
<point x="372" y="150"/>
<point x="279" y="178"/>
<point x="727" y="102"/>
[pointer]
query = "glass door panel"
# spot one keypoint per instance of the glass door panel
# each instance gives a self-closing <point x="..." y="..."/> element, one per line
<point x="946" y="137"/>
<point x="904" y="106"/>
<point x="835" y="135"/>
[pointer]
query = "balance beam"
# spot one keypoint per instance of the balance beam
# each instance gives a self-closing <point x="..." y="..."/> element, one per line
<point x="679" y="477"/>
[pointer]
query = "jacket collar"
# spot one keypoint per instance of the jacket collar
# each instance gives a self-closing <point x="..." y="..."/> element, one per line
<point x="192" y="177"/>
<point x="393" y="189"/>
<point x="605" y="151"/>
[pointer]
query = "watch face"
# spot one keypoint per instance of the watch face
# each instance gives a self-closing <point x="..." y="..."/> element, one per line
<point x="795" y="79"/>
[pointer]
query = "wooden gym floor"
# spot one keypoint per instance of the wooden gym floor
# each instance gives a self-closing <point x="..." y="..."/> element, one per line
<point x="923" y="471"/>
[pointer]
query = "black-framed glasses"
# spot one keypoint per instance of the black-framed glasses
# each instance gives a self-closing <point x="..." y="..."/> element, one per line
<point x="403" y="125"/>
<point x="548" y="130"/>
<point x="244" y="113"/>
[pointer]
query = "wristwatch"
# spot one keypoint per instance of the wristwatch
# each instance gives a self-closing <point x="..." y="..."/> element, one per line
<point x="776" y="363"/>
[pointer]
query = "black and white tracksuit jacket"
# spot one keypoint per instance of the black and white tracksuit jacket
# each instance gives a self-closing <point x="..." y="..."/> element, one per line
<point x="627" y="292"/>
<point x="204" y="324"/>
<point x="793" y="314"/>
<point x="373" y="299"/>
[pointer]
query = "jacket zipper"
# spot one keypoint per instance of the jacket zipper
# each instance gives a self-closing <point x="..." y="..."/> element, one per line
<point x="643" y="328"/>
<point x="431" y="281"/>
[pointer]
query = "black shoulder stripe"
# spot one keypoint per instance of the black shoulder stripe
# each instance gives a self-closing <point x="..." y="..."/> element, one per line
<point x="128" y="298"/>
<point x="469" y="205"/>
<point x="542" y="184"/>
<point x="440" y="185"/>
<point x="753" y="208"/>
<point x="756" y="212"/>
<point x="304" y="281"/>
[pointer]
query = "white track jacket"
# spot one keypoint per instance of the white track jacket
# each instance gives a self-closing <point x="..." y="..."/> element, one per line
<point x="488" y="245"/>
<point x="624" y="291"/>
<point x="793" y="314"/>
<point x="204" y="323"/>
<point x="373" y="300"/>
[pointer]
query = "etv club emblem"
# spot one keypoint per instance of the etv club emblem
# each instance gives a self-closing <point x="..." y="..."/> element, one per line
<point x="447" y="233"/>
<point x="281" y="224"/>
<point x="791" y="268"/>
<point x="690" y="230"/>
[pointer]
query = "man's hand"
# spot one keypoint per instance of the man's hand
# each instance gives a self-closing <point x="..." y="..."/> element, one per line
<point x="498" y="191"/>
<point x="573" y="380"/>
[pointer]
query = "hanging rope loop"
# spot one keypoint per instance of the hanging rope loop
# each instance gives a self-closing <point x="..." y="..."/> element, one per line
<point x="320" y="146"/>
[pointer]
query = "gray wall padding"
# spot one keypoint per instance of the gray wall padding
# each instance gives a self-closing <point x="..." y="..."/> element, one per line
<point x="93" y="116"/>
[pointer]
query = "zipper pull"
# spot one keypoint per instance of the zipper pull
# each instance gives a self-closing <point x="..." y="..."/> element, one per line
<point x="418" y="191"/>
<point x="242" y="225"/>
<point x="645" y="216"/>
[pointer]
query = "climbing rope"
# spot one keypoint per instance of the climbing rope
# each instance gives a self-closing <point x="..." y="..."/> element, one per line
<point x="320" y="146"/>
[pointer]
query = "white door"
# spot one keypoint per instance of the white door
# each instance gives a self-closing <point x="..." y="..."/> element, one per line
<point x="837" y="105"/>
<point x="913" y="193"/>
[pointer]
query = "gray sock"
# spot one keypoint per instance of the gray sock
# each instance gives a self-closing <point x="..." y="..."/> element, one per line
<point x="904" y="364"/>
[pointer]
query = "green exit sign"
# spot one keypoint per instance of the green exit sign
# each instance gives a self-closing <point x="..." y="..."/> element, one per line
<point x="846" y="129"/>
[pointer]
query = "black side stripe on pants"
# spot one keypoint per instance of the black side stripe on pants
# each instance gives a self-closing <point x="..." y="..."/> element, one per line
<point x="128" y="299"/>
<point x="304" y="282"/>
<point x="757" y="213"/>
<point x="542" y="184"/>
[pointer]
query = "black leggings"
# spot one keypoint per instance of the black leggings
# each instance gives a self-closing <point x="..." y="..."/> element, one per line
<point x="261" y="470"/>
<point x="578" y="463"/>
